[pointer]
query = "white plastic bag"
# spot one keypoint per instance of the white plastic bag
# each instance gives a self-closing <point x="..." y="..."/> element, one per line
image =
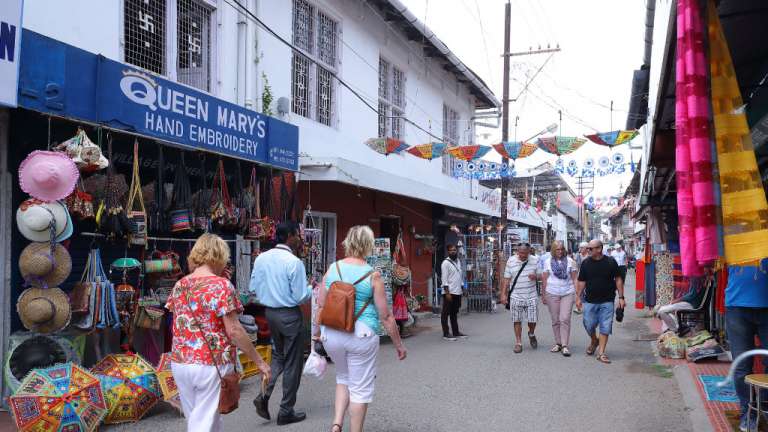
<point x="315" y="365"/>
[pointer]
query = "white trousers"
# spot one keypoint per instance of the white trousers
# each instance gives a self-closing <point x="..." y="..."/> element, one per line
<point x="667" y="315"/>
<point x="355" y="360"/>
<point x="199" y="387"/>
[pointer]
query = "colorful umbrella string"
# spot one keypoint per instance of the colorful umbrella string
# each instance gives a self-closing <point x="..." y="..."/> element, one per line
<point x="744" y="206"/>
<point x="386" y="146"/>
<point x="428" y="151"/>
<point x="560" y="145"/>
<point x="515" y="149"/>
<point x="468" y="153"/>
<point x="613" y="138"/>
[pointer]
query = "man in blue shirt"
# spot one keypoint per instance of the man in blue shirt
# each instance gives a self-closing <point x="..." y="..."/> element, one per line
<point x="279" y="281"/>
<point x="746" y="317"/>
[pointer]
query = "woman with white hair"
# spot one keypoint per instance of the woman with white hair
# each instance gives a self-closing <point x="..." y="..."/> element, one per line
<point x="354" y="354"/>
<point x="558" y="290"/>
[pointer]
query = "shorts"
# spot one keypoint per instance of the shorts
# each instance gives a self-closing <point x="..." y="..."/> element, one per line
<point x="598" y="314"/>
<point x="355" y="360"/>
<point x="524" y="310"/>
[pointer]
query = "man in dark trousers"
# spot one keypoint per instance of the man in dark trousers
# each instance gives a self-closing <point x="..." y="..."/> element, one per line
<point x="279" y="281"/>
<point x="452" y="279"/>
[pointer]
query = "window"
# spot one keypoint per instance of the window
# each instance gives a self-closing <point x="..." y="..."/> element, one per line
<point x="312" y="73"/>
<point x="450" y="135"/>
<point x="150" y="24"/>
<point x="391" y="100"/>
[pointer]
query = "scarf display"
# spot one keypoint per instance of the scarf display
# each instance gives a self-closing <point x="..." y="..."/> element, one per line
<point x="693" y="152"/>
<point x="744" y="206"/>
<point x="559" y="267"/>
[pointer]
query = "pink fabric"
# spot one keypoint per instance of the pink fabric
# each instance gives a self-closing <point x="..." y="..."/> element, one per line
<point x="693" y="149"/>
<point x="560" y="308"/>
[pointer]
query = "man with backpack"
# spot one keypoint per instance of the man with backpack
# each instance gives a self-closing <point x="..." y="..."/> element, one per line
<point x="453" y="281"/>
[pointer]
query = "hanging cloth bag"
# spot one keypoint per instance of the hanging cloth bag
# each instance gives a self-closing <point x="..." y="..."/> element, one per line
<point x="181" y="214"/>
<point x="255" y="225"/>
<point x="400" y="306"/>
<point x="223" y="213"/>
<point x="202" y="200"/>
<point x="109" y="317"/>
<point x="401" y="274"/>
<point x="137" y="213"/>
<point x="80" y="203"/>
<point x="80" y="297"/>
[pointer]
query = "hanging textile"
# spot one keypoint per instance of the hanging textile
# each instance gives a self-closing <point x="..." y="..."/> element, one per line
<point x="650" y="283"/>
<point x="560" y="145"/>
<point x="515" y="149"/>
<point x="722" y="281"/>
<point x="744" y="207"/>
<point x="693" y="156"/>
<point x="681" y="283"/>
<point x="639" y="284"/>
<point x="664" y="280"/>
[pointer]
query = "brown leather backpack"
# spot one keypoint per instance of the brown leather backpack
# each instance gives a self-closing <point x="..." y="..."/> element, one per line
<point x="339" y="309"/>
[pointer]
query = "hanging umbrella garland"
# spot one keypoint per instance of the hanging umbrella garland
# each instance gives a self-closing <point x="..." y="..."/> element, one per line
<point x="130" y="384"/>
<point x="428" y="151"/>
<point x="560" y="145"/>
<point x="386" y="146"/>
<point x="64" y="397"/>
<point x="613" y="138"/>
<point x="515" y="149"/>
<point x="468" y="153"/>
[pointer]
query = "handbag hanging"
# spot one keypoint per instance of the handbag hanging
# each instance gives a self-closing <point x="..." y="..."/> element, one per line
<point x="223" y="213"/>
<point x="401" y="274"/>
<point x="80" y="296"/>
<point x="113" y="221"/>
<point x="137" y="213"/>
<point x="109" y="317"/>
<point x="201" y="201"/>
<point x="80" y="203"/>
<point x="181" y="209"/>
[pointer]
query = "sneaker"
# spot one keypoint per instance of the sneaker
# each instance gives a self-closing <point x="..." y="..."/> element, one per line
<point x="533" y="341"/>
<point x="461" y="336"/>
<point x="746" y="425"/>
<point x="449" y="338"/>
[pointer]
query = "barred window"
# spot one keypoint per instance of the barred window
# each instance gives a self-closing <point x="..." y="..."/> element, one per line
<point x="450" y="136"/>
<point x="391" y="100"/>
<point x="312" y="75"/>
<point x="145" y="34"/>
<point x="194" y="44"/>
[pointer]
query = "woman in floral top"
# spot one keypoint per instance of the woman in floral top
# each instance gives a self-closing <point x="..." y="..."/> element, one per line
<point x="205" y="299"/>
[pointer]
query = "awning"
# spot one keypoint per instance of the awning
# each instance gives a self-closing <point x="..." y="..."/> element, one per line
<point x="353" y="173"/>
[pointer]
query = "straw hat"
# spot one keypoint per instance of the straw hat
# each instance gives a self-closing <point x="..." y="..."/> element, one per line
<point x="34" y="218"/>
<point x="38" y="266"/>
<point x="48" y="175"/>
<point x="44" y="310"/>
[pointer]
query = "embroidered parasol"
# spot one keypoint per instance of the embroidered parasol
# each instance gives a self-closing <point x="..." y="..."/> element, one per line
<point x="560" y="145"/>
<point x="613" y="138"/>
<point x="60" y="398"/>
<point x="468" y="153"/>
<point x="428" y="151"/>
<point x="167" y="383"/>
<point x="386" y="146"/>
<point x="130" y="385"/>
<point x="515" y="149"/>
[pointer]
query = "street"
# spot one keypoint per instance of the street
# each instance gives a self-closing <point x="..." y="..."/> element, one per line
<point x="479" y="384"/>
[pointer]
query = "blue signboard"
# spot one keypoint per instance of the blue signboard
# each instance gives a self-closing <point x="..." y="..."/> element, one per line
<point x="67" y="81"/>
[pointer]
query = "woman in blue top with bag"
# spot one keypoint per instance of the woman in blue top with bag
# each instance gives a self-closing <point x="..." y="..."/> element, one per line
<point x="354" y="354"/>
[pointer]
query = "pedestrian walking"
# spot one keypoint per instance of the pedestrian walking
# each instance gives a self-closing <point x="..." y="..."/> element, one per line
<point x="558" y="291"/>
<point x="620" y="256"/>
<point x="354" y="354"/>
<point x="452" y="282"/>
<point x="599" y="279"/>
<point x="280" y="283"/>
<point x="580" y="257"/>
<point x="519" y="293"/>
<point x="206" y="330"/>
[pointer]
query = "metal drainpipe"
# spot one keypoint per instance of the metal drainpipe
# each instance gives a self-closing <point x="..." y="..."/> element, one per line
<point x="242" y="25"/>
<point x="250" y="66"/>
<point x="650" y="14"/>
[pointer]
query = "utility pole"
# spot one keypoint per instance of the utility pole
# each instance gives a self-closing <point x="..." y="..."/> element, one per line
<point x="505" y="121"/>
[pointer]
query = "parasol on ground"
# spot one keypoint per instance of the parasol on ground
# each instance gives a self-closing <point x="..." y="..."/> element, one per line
<point x="468" y="153"/>
<point x="64" y="397"/>
<point x="515" y="149"/>
<point x="386" y="146"/>
<point x="130" y="386"/>
<point x="613" y="138"/>
<point x="428" y="151"/>
<point x="560" y="145"/>
<point x="167" y="383"/>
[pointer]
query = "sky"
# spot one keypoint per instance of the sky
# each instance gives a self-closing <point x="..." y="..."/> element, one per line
<point x="601" y="45"/>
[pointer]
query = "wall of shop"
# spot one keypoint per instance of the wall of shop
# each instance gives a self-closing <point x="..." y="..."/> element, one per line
<point x="356" y="206"/>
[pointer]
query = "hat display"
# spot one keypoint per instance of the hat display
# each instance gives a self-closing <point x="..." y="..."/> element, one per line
<point x="41" y="268"/>
<point x="32" y="352"/>
<point x="34" y="218"/>
<point x="44" y="310"/>
<point x="48" y="175"/>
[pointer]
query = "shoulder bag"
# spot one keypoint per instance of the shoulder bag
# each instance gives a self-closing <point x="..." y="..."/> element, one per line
<point x="401" y="274"/>
<point x="137" y="215"/>
<point x="514" y="282"/>
<point x="338" y="311"/>
<point x="229" y="395"/>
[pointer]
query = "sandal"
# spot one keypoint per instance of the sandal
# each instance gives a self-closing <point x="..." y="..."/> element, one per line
<point x="518" y="348"/>
<point x="566" y="352"/>
<point x="602" y="358"/>
<point x="556" y="348"/>
<point x="591" y="349"/>
<point x="533" y="341"/>
<point x="336" y="428"/>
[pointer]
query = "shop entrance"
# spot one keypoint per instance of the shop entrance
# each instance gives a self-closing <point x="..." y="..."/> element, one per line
<point x="390" y="228"/>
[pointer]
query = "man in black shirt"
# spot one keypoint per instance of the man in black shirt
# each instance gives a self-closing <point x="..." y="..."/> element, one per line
<point x="600" y="276"/>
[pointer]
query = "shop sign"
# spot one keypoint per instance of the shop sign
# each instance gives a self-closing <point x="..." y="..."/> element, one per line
<point x="10" y="47"/>
<point x="70" y="82"/>
<point x="515" y="210"/>
<point x="519" y="234"/>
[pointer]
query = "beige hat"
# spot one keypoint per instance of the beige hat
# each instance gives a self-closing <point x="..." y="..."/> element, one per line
<point x="44" y="310"/>
<point x="34" y="219"/>
<point x="39" y="267"/>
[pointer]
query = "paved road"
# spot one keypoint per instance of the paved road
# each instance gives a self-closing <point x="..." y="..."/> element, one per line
<point x="479" y="384"/>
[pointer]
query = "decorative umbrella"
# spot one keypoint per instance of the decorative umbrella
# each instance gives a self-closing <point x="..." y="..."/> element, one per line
<point x="560" y="145"/>
<point x="613" y="138"/>
<point x="386" y="146"/>
<point x="130" y="386"/>
<point x="515" y="149"/>
<point x="468" y="153"/>
<point x="60" y="398"/>
<point x="428" y="151"/>
<point x="167" y="383"/>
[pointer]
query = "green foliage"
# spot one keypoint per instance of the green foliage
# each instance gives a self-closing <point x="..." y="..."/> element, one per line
<point x="266" y="96"/>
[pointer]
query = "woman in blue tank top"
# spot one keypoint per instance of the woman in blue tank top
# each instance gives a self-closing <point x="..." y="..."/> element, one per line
<point x="354" y="354"/>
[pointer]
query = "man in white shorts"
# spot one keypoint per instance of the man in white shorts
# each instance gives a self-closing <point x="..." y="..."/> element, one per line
<point x="519" y="293"/>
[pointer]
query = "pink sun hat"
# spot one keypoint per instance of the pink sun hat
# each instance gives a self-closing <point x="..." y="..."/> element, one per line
<point x="48" y="175"/>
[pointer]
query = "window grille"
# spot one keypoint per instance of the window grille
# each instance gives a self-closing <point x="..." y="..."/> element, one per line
<point x="303" y="24"/>
<point x="145" y="34"/>
<point x="397" y="123"/>
<point x="383" y="112"/>
<point x="194" y="44"/>
<point x="398" y="87"/>
<point x="450" y="136"/>
<point x="391" y="100"/>
<point x="324" y="96"/>
<point x="383" y="79"/>
<point x="300" y="75"/>
<point x="326" y="39"/>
